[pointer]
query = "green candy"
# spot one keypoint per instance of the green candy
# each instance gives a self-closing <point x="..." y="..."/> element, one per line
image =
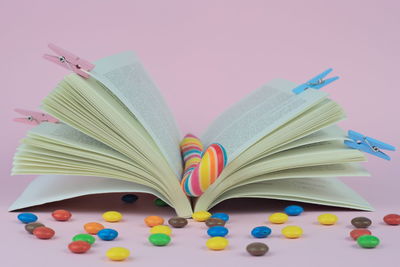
<point x="159" y="239"/>
<point x="84" y="237"/>
<point x="160" y="203"/>
<point x="368" y="241"/>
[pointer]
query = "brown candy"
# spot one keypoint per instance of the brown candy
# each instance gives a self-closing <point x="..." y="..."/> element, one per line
<point x="257" y="249"/>
<point x="361" y="222"/>
<point x="31" y="226"/>
<point x="177" y="222"/>
<point x="215" y="222"/>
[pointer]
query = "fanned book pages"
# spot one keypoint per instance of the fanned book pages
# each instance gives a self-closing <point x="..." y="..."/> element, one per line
<point x="116" y="134"/>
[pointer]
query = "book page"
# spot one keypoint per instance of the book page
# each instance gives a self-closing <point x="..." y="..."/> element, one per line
<point x="257" y="115"/>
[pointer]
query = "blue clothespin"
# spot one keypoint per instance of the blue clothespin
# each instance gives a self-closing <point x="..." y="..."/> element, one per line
<point x="316" y="83"/>
<point x="368" y="144"/>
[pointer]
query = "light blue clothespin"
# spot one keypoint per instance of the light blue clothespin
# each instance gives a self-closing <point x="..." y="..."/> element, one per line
<point x="368" y="144"/>
<point x="316" y="83"/>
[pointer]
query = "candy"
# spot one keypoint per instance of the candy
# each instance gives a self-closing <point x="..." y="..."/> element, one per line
<point x="117" y="253"/>
<point x="217" y="231"/>
<point x="178" y="222"/>
<point x="61" y="215"/>
<point x="161" y="229"/>
<point x="215" y="222"/>
<point x="292" y="231"/>
<point x="151" y="221"/>
<point x="107" y="234"/>
<point x="79" y="246"/>
<point x="112" y="216"/>
<point x="31" y="226"/>
<point x="392" y="219"/>
<point x="257" y="249"/>
<point x="93" y="227"/>
<point x="278" y="217"/>
<point x="293" y="210"/>
<point x="84" y="237"/>
<point x="361" y="222"/>
<point x="368" y="241"/>
<point x="217" y="243"/>
<point x="129" y="198"/>
<point x="220" y="215"/>
<point x="327" y="219"/>
<point x="201" y="170"/>
<point x="27" y="217"/>
<point x="356" y="233"/>
<point x="159" y="202"/>
<point x="43" y="232"/>
<point x="201" y="216"/>
<point x="159" y="239"/>
<point x="261" y="231"/>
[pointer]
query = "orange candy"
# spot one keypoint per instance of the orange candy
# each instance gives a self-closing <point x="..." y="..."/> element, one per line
<point x="93" y="228"/>
<point x="153" y="221"/>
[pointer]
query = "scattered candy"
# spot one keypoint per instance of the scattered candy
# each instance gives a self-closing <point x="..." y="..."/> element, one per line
<point x="117" y="253"/>
<point x="153" y="221"/>
<point x="159" y="239"/>
<point x="84" y="237"/>
<point x="27" y="217"/>
<point x="107" y="234"/>
<point x="361" y="222"/>
<point x="217" y="243"/>
<point x="161" y="229"/>
<point x="392" y="219"/>
<point x="220" y="215"/>
<point x="215" y="222"/>
<point x="327" y="219"/>
<point x="261" y="231"/>
<point x="294" y="210"/>
<point x="159" y="202"/>
<point x="61" y="215"/>
<point x="201" y="216"/>
<point x="79" y="246"/>
<point x="257" y="249"/>
<point x="178" y="222"/>
<point x="93" y="227"/>
<point x="278" y="218"/>
<point x="43" y="232"/>
<point x="292" y="231"/>
<point x="356" y="233"/>
<point x="368" y="241"/>
<point x="129" y="198"/>
<point x="112" y="216"/>
<point x="31" y="226"/>
<point x="217" y="231"/>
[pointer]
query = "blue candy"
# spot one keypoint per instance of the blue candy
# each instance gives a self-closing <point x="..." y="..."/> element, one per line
<point x="107" y="234"/>
<point x="261" y="231"/>
<point x="293" y="210"/>
<point x="222" y="216"/>
<point x="27" y="217"/>
<point x="129" y="198"/>
<point x="217" y="231"/>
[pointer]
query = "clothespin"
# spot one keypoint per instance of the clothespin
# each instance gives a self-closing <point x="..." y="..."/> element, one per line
<point x="368" y="144"/>
<point x="34" y="118"/>
<point x="70" y="61"/>
<point x="316" y="83"/>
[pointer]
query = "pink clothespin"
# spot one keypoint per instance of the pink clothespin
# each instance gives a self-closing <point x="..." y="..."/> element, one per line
<point x="70" y="61"/>
<point x="34" y="118"/>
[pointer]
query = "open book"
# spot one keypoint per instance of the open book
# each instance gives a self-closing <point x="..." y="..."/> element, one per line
<point x="118" y="135"/>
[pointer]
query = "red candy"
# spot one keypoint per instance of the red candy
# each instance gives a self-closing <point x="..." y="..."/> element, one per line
<point x="79" y="246"/>
<point x="43" y="232"/>
<point x="392" y="219"/>
<point x="61" y="215"/>
<point x="356" y="233"/>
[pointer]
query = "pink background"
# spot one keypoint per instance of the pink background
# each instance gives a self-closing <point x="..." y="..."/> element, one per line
<point x="212" y="52"/>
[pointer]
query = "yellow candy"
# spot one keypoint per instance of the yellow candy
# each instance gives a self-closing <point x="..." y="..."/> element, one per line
<point x="217" y="243"/>
<point x="112" y="216"/>
<point x="292" y="231"/>
<point x="201" y="216"/>
<point x="161" y="229"/>
<point x="327" y="219"/>
<point x="117" y="253"/>
<point x="278" y="217"/>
